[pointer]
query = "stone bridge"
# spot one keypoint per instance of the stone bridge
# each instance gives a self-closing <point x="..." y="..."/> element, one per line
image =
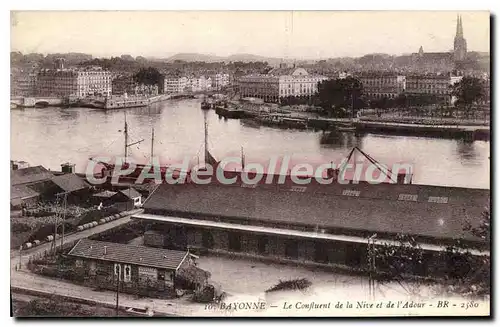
<point x="35" y="101"/>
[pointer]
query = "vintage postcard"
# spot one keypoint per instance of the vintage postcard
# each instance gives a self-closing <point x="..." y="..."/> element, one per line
<point x="250" y="163"/>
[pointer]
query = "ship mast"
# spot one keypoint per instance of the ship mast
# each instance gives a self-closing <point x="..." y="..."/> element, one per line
<point x="242" y="160"/>
<point x="152" y="142"/>
<point x="126" y="138"/>
<point x="125" y="132"/>
<point x="206" y="136"/>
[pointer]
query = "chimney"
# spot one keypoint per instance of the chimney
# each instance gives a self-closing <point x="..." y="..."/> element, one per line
<point x="105" y="250"/>
<point x="68" y="168"/>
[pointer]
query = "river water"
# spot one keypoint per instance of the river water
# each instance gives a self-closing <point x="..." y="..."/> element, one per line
<point x="52" y="136"/>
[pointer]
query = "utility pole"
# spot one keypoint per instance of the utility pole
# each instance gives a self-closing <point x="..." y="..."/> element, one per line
<point x="54" y="244"/>
<point x="117" y="293"/>
<point x="64" y="218"/>
<point x="20" y="257"/>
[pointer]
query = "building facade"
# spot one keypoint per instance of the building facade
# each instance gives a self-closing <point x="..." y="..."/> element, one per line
<point x="23" y="81"/>
<point x="280" y="83"/>
<point x="174" y="84"/>
<point x="138" y="269"/>
<point x="220" y="81"/>
<point x="184" y="84"/>
<point x="123" y="85"/>
<point x="198" y="84"/>
<point x="431" y="85"/>
<point x="382" y="85"/>
<point x="74" y="82"/>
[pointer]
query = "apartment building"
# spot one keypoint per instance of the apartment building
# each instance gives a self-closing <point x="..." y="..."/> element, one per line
<point x="178" y="84"/>
<point x="74" y="82"/>
<point x="220" y="80"/>
<point x="280" y="83"/>
<point x="432" y="84"/>
<point x="378" y="85"/>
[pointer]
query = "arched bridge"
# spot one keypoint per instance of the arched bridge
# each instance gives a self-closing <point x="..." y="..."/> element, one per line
<point x="24" y="102"/>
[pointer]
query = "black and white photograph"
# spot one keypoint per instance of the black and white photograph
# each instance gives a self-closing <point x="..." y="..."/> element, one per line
<point x="250" y="163"/>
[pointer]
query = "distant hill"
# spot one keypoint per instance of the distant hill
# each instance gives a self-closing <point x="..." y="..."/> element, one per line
<point x="243" y="57"/>
<point x="195" y="57"/>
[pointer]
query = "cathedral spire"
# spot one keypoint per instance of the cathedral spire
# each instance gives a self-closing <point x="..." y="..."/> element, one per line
<point x="460" y="31"/>
<point x="460" y="44"/>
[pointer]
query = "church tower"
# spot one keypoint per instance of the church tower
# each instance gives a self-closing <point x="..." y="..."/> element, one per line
<point x="460" y="45"/>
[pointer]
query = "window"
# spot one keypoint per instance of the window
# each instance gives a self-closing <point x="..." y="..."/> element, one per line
<point x="298" y="189"/>
<point x="127" y="273"/>
<point x="207" y="239"/>
<point x="291" y="249"/>
<point x="351" y="192"/>
<point x="262" y="244"/>
<point x="234" y="241"/>
<point x="438" y="199"/>
<point x="408" y="197"/>
<point x="118" y="269"/>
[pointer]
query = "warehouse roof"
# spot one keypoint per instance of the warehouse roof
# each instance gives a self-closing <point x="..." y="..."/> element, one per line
<point x="429" y="211"/>
<point x="128" y="254"/>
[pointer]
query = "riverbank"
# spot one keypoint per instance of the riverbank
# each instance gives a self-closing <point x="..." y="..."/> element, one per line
<point x="440" y="127"/>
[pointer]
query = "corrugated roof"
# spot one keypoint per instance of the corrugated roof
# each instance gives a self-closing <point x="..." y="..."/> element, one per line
<point x="70" y="182"/>
<point x="412" y="209"/>
<point x="128" y="254"/>
<point x="29" y="175"/>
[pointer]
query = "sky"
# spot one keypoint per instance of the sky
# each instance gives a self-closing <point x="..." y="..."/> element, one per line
<point x="283" y="34"/>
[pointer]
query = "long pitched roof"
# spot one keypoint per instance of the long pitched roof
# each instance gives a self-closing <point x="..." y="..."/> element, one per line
<point x="128" y="254"/>
<point x="428" y="211"/>
<point x="29" y="175"/>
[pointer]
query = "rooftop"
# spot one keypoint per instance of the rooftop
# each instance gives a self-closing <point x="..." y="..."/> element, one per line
<point x="104" y="194"/>
<point x="70" y="182"/>
<point x="130" y="193"/>
<point x="427" y="211"/>
<point x="29" y="175"/>
<point x="128" y="254"/>
<point x="22" y="192"/>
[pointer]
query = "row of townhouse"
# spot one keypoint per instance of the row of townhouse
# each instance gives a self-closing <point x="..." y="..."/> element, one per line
<point x="184" y="84"/>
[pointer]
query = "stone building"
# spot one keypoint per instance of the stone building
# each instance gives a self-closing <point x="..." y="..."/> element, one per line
<point x="437" y="85"/>
<point x="90" y="81"/>
<point x="377" y="85"/>
<point x="279" y="83"/>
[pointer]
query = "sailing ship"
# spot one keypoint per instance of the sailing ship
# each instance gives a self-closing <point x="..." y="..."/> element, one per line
<point x="108" y="169"/>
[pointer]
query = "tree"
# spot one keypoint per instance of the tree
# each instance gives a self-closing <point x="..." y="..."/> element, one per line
<point x="468" y="92"/>
<point x="339" y="97"/>
<point x="467" y="273"/>
<point x="148" y="76"/>
<point x="398" y="260"/>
